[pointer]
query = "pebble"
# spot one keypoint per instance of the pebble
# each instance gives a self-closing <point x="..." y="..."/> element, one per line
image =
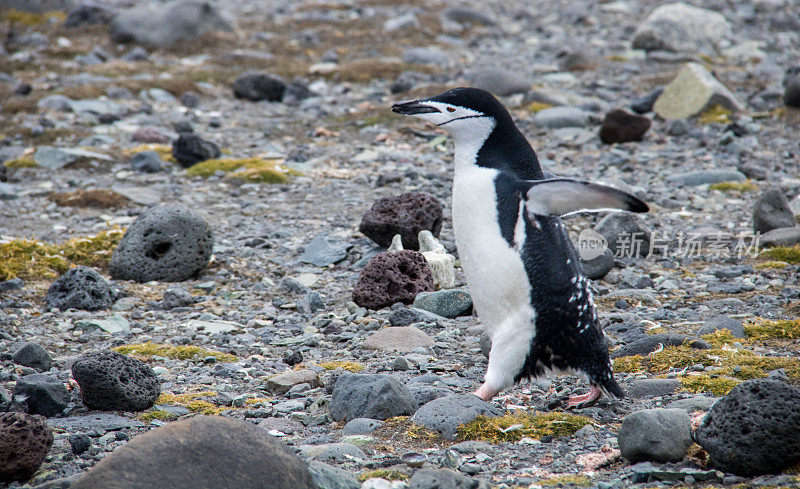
<point x="620" y="126"/>
<point x="398" y="339"/>
<point x="501" y="82"/>
<point x="147" y="162"/>
<point x="34" y="356"/>
<point x="256" y="86"/>
<point x="560" y="117"/>
<point x="163" y="25"/>
<point x="702" y="177"/>
<point x="190" y="149"/>
<point x="324" y="251"/>
<point x="791" y="85"/>
<point x="648" y="388"/>
<point x="682" y="28"/>
<point x="722" y="323"/>
<point x="644" y="104"/>
<point x="43" y="394"/>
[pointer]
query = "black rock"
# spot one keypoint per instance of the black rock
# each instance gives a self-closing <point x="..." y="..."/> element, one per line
<point x="114" y="382"/>
<point x="791" y="85"/>
<point x="23" y="89"/>
<point x="79" y="443"/>
<point x="406" y="214"/>
<point x="754" y="428"/>
<point x="166" y="243"/>
<point x="190" y="99"/>
<point x="627" y="234"/>
<point x="257" y="86"/>
<point x="89" y="13"/>
<point x="24" y="443"/>
<point x="404" y="316"/>
<point x="190" y="149"/>
<point x="296" y="92"/>
<point x="80" y="288"/>
<point x="147" y="162"/>
<point x="598" y="267"/>
<point x="390" y="278"/>
<point x="3" y="173"/>
<point x="292" y="357"/>
<point x="772" y="211"/>
<point x="620" y="126"/>
<point x="34" y="356"/>
<point x="43" y="394"/>
<point x="643" y="105"/>
<point x="376" y="396"/>
<point x="650" y="343"/>
<point x="182" y="126"/>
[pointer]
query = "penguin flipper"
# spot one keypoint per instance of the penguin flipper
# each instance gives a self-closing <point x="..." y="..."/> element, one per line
<point x="563" y="196"/>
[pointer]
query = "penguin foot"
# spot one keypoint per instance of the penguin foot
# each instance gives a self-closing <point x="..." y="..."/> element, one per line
<point x="485" y="392"/>
<point x="585" y="400"/>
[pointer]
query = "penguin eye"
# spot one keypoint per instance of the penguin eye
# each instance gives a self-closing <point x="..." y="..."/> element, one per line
<point x="451" y="109"/>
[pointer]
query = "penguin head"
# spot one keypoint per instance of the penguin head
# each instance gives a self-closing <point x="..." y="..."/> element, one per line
<point x="459" y="111"/>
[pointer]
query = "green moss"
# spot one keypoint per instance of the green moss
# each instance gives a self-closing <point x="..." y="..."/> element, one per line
<point x="182" y="352"/>
<point x="746" y="186"/>
<point x="571" y="480"/>
<point x="349" y="366"/>
<point x="20" y="163"/>
<point x="788" y="254"/>
<point x="30" y="18"/>
<point x="32" y="260"/>
<point x="513" y="427"/>
<point x="766" y="330"/>
<point x="538" y="106"/>
<point x="156" y="414"/>
<point x="718" y="386"/>
<point x="250" y="169"/>
<point x="390" y="475"/>
<point x="717" y="113"/>
<point x="192" y="402"/>
<point x="771" y="265"/>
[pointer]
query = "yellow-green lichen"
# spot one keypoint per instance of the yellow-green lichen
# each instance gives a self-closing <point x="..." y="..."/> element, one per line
<point x="156" y="414"/>
<point x="538" y="106"/>
<point x="31" y="18"/>
<point x="513" y="427"/>
<point x="164" y="151"/>
<point x="390" y="475"/>
<point x="571" y="480"/>
<point x="716" y="113"/>
<point x="788" y="254"/>
<point x="32" y="260"/>
<point x="702" y="383"/>
<point x="192" y="402"/>
<point x="346" y="365"/>
<point x="20" y="163"/>
<point x="249" y="169"/>
<point x="768" y="330"/>
<point x="771" y="265"/>
<point x="746" y="186"/>
<point x="179" y="352"/>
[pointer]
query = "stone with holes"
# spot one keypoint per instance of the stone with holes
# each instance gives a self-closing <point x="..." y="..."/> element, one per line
<point x="406" y="214"/>
<point x="167" y="243"/>
<point x="24" y="442"/>
<point x="393" y="277"/>
<point x="80" y="288"/>
<point x="754" y="428"/>
<point x="110" y="381"/>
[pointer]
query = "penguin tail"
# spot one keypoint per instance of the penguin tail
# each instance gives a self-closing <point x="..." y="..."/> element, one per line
<point x="611" y="388"/>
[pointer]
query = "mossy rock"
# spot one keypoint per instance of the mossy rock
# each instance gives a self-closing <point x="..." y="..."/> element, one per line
<point x="179" y="352"/>
<point x="260" y="170"/>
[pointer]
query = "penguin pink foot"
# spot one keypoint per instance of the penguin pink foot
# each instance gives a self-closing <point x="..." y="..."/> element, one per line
<point x="585" y="400"/>
<point x="485" y="392"/>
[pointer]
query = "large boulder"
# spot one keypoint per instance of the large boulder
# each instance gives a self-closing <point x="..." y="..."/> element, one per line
<point x="113" y="382"/>
<point x="163" y="24"/>
<point x="660" y="435"/>
<point x="204" y="452"/>
<point x="392" y="277"/>
<point x="24" y="442"/>
<point x="376" y="396"/>
<point x="680" y="27"/>
<point x="80" y="288"/>
<point x="772" y="211"/>
<point x="754" y="428"/>
<point x="446" y="414"/>
<point x="167" y="243"/>
<point x="693" y="91"/>
<point x="406" y="215"/>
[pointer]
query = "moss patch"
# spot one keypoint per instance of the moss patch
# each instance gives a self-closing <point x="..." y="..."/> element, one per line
<point x="771" y="265"/>
<point x="538" y="106"/>
<point x="390" y="475"/>
<point x="349" y="366"/>
<point x="156" y="414"/>
<point x="32" y="260"/>
<point x="184" y="352"/>
<point x="787" y="254"/>
<point x="716" y="113"/>
<point x="249" y="169"/>
<point x="21" y="163"/>
<point x="163" y="150"/>
<point x="573" y="480"/>
<point x="767" y="330"/>
<point x="513" y="427"/>
<point x="718" y="386"/>
<point x="31" y="18"/>
<point x="746" y="186"/>
<point x="192" y="402"/>
<point x="98" y="198"/>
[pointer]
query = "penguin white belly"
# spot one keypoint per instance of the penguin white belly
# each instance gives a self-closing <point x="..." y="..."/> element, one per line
<point x="495" y="273"/>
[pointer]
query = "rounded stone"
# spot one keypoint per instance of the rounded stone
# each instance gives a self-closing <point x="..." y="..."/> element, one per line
<point x="204" y="452"/>
<point x="376" y="396"/>
<point x="24" y="442"/>
<point x="627" y="234"/>
<point x="620" y="126"/>
<point x="393" y="277"/>
<point x="114" y="382"/>
<point x="79" y="288"/>
<point x="406" y="214"/>
<point x="599" y="266"/>
<point x="257" y="86"/>
<point x="449" y="303"/>
<point x="754" y="428"/>
<point x="772" y="211"/>
<point x="43" y="394"/>
<point x="34" y="356"/>
<point x="446" y="414"/>
<point x="659" y="435"/>
<point x="190" y="149"/>
<point x="167" y="243"/>
<point x="146" y="162"/>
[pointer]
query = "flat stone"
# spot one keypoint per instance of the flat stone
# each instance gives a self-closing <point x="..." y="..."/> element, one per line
<point x="501" y="82"/>
<point x="139" y="195"/>
<point x="650" y="343"/>
<point x="780" y="237"/>
<point x="115" y="324"/>
<point x="694" y="403"/>
<point x="281" y="383"/>
<point x="328" y="477"/>
<point x="701" y="177"/>
<point x="323" y="251"/>
<point x="693" y="91"/>
<point x="722" y="323"/>
<point x="646" y="297"/>
<point x="215" y="326"/>
<point x="446" y="414"/>
<point x="449" y="303"/>
<point x="55" y="158"/>
<point x="376" y="396"/>
<point x="336" y="452"/>
<point x="559" y="117"/>
<point x="398" y="339"/>
<point x="680" y="27"/>
<point x="772" y="211"/>
<point x="647" y="388"/>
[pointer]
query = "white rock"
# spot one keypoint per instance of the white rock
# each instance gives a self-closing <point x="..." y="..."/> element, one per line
<point x="680" y="27"/>
<point x="691" y="92"/>
<point x="441" y="262"/>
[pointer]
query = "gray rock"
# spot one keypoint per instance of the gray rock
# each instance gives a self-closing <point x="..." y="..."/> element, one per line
<point x="701" y="177"/>
<point x="281" y="383"/>
<point x="97" y="107"/>
<point x="398" y="339"/>
<point x="598" y="267"/>
<point x="678" y="127"/>
<point x="333" y="452"/>
<point x="34" y="356"/>
<point x="660" y="435"/>
<point x="257" y="86"/>
<point x="772" y="211"/>
<point x="231" y="450"/>
<point x="89" y="13"/>
<point x="80" y="288"/>
<point x="780" y="237"/>
<point x="166" y="243"/>
<point x="644" y="104"/>
<point x="446" y="414"/>
<point x="324" y="250"/>
<point x="177" y="298"/>
<point x="95" y="421"/>
<point x="694" y="403"/>
<point x="114" y="324"/>
<point x="791" y="85"/>
<point x="55" y="102"/>
<point x="147" y="162"/>
<point x="162" y="25"/>
<point x="753" y="429"/>
<point x="650" y="343"/>
<point x="501" y="82"/>
<point x="425" y="393"/>
<point x="680" y="27"/>
<point x="425" y="56"/>
<point x="693" y="91"/>
<point x="325" y="476"/>
<point x="13" y="284"/>
<point x="114" y="382"/>
<point x="647" y="388"/>
<point x="43" y="394"/>
<point x="444" y="479"/>
<point x="55" y="158"/>
<point x="722" y="323"/>
<point x="8" y="191"/>
<point x="468" y="15"/>
<point x="37" y="6"/>
<point x="558" y="117"/>
<point x="361" y="426"/>
<point x="376" y="396"/>
<point x="627" y="234"/>
<point x="402" y="22"/>
<point x="485" y="344"/>
<point x="448" y="303"/>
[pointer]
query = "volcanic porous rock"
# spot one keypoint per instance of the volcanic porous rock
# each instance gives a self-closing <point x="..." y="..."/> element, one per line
<point x="393" y="277"/>
<point x="111" y="381"/>
<point x="167" y="243"/>
<point x="406" y="215"/>
<point x="24" y="442"/>
<point x="80" y="288"/>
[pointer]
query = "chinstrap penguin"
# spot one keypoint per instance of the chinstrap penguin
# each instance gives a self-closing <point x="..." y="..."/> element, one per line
<point x="523" y="272"/>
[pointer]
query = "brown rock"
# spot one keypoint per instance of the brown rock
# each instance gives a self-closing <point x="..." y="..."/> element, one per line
<point x="24" y="442"/>
<point x="281" y="383"/>
<point x="401" y="339"/>
<point x="393" y="277"/>
<point x="620" y="126"/>
<point x="406" y="215"/>
<point x="149" y="135"/>
<point x="204" y="452"/>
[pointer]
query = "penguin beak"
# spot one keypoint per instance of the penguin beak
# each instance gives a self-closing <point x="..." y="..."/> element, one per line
<point x="413" y="107"/>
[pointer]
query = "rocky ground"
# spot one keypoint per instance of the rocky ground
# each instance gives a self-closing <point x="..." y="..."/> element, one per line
<point x="83" y="96"/>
